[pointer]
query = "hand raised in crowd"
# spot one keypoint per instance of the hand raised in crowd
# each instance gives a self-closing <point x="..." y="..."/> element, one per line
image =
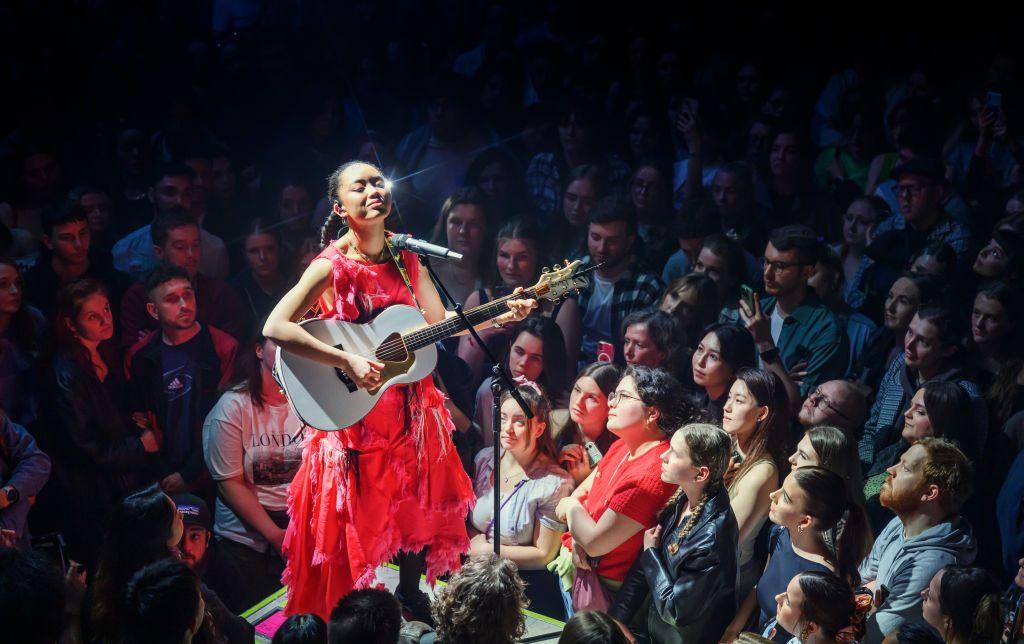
<point x="756" y="322"/>
<point x="798" y="372"/>
<point x="688" y="124"/>
<point x="7" y="538"/>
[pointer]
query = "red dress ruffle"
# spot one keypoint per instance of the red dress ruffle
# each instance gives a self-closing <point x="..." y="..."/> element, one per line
<point x="389" y="483"/>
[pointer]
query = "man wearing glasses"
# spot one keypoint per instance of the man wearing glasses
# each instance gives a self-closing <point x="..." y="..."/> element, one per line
<point x="920" y="193"/>
<point x="792" y="326"/>
<point x="836" y="402"/>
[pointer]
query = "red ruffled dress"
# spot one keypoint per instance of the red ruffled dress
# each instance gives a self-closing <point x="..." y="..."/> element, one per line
<point x="389" y="483"/>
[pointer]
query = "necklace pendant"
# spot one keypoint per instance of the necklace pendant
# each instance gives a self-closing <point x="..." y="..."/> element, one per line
<point x="673" y="548"/>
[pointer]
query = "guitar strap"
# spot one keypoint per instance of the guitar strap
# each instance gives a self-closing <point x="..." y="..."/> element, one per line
<point x="396" y="256"/>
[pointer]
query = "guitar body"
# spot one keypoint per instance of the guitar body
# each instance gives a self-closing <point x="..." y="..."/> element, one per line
<point x="323" y="397"/>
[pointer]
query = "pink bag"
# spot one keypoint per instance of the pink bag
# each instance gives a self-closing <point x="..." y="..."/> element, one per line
<point x="588" y="593"/>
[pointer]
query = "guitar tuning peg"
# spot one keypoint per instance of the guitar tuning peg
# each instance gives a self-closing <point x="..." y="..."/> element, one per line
<point x="557" y="267"/>
<point x="545" y="269"/>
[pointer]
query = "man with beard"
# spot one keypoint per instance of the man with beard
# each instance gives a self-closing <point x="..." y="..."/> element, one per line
<point x="838" y="403"/>
<point x="926" y="490"/>
<point x="195" y="538"/>
<point x="619" y="287"/>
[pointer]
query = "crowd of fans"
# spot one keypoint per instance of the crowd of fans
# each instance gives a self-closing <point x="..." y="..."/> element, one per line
<point x="788" y="406"/>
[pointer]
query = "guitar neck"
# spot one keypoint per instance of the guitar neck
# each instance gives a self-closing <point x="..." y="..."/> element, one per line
<point x="446" y="328"/>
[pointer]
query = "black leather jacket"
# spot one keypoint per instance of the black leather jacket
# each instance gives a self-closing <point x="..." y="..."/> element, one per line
<point x="692" y="589"/>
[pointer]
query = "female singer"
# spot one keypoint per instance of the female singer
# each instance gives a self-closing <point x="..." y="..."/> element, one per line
<point x="392" y="483"/>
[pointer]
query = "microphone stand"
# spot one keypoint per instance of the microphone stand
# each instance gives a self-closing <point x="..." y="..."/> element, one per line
<point x="499" y="380"/>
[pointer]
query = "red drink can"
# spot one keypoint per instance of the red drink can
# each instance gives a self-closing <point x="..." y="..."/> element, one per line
<point x="605" y="352"/>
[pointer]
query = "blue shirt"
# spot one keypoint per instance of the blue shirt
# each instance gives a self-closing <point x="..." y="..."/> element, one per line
<point x="814" y="334"/>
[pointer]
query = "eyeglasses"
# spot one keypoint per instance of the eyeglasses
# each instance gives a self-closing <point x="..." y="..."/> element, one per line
<point x="616" y="396"/>
<point x="821" y="401"/>
<point x="914" y="189"/>
<point x="778" y="267"/>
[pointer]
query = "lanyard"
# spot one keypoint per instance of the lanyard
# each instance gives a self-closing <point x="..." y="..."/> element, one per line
<point x="490" y="524"/>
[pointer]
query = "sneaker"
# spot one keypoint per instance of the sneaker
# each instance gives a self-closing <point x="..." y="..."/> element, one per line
<point x="415" y="607"/>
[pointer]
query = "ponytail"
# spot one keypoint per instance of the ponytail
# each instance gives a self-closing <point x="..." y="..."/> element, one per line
<point x="988" y="620"/>
<point x="970" y="599"/>
<point x="828" y="501"/>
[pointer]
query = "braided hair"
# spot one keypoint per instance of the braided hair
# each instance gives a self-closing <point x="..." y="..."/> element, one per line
<point x="709" y="446"/>
<point x="334" y="225"/>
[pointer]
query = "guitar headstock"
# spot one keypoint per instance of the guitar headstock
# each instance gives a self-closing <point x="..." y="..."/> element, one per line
<point x="558" y="282"/>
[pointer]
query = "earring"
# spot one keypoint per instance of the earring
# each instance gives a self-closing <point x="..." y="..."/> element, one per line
<point x="800" y="528"/>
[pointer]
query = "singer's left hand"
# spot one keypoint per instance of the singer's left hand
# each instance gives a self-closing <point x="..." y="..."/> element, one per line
<point x="518" y="309"/>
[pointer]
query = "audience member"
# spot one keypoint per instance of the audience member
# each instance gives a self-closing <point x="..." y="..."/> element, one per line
<point x="607" y="515"/>
<point x="694" y="222"/>
<point x="793" y="326"/>
<point x="584" y="437"/>
<point x="171" y="189"/>
<point x="23" y="340"/>
<point x="302" y="629"/>
<point x="722" y="260"/>
<point x="164" y="605"/>
<point x="820" y="608"/>
<point x="1002" y="258"/>
<point x="24" y="470"/>
<point x="530" y="488"/>
<point x="583" y="189"/>
<point x="483" y="602"/>
<point x="725" y="350"/>
<point x="176" y="242"/>
<point x="34" y="607"/>
<point x="594" y="627"/>
<point x="367" y="615"/>
<point x="465" y="226"/>
<point x="619" y="286"/>
<point x="827" y="283"/>
<point x="963" y="605"/>
<point x="756" y="416"/>
<point x="921" y="217"/>
<point x="174" y="375"/>
<point x="838" y="403"/>
<point x="198" y="529"/>
<point x="67" y="240"/>
<point x="252" y="445"/>
<point x="262" y="283"/>
<point x="536" y="354"/>
<point x="692" y="300"/>
<point x="100" y="453"/>
<point x="931" y="347"/>
<point x="835" y="450"/>
<point x="653" y="338"/>
<point x="811" y="501"/>
<point x="688" y="564"/>
<point x="926" y="490"/>
<point x="865" y="281"/>
<point x="995" y="337"/>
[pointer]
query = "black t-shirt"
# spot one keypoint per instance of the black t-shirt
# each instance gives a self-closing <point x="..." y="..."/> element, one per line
<point x="179" y="364"/>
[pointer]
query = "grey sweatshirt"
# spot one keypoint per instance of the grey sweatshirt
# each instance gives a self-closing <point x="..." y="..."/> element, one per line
<point x="905" y="566"/>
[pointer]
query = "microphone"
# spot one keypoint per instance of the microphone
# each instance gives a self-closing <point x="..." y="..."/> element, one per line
<point x="420" y="247"/>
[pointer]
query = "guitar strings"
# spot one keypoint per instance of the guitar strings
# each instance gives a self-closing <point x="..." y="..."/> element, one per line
<point x="397" y="348"/>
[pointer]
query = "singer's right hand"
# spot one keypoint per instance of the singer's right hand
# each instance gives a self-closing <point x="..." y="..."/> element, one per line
<point x="365" y="373"/>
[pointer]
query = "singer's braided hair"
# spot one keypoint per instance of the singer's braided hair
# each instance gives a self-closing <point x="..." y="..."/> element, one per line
<point x="334" y="224"/>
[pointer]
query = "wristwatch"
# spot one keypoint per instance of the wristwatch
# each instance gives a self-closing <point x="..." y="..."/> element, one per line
<point x="12" y="494"/>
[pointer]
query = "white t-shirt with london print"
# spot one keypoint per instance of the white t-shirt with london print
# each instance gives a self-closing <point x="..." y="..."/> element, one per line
<point x="263" y="444"/>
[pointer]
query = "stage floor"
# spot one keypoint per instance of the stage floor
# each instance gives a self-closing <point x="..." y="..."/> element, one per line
<point x="267" y="616"/>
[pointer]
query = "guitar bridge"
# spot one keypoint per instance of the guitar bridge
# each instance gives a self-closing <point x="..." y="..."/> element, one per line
<point x="351" y="386"/>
